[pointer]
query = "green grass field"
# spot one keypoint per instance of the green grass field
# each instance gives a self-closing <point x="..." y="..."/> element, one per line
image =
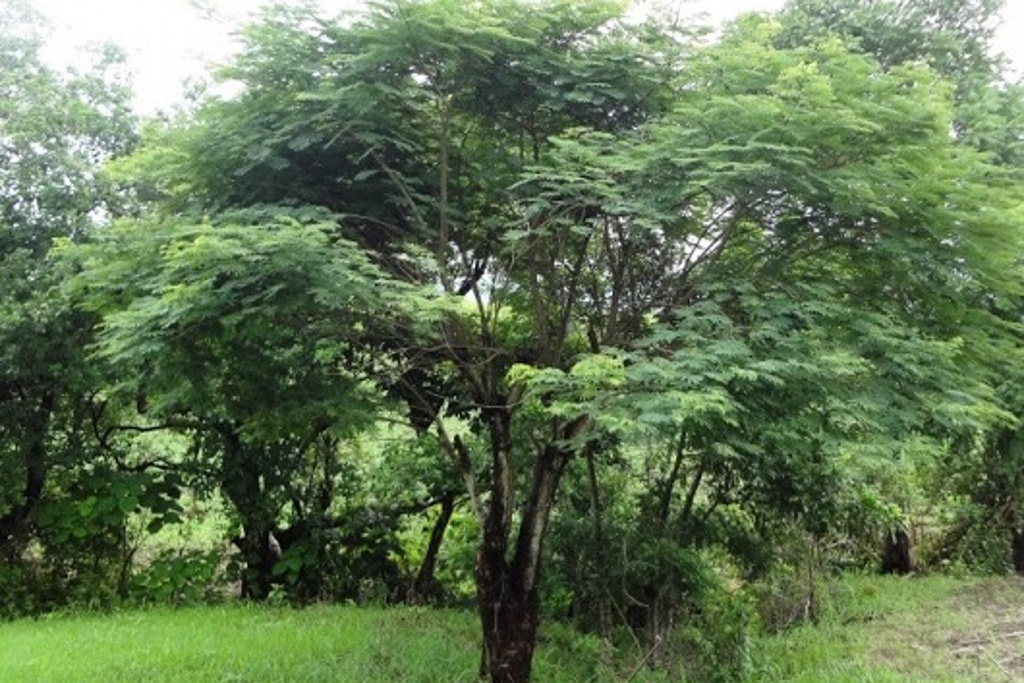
<point x="935" y="629"/>
<point x="241" y="644"/>
<point x="927" y="630"/>
<point x="252" y="644"/>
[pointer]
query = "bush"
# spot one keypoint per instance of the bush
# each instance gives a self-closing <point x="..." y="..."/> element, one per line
<point x="179" y="576"/>
<point x="713" y="639"/>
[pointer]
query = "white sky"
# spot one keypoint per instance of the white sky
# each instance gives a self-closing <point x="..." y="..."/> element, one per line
<point x="170" y="40"/>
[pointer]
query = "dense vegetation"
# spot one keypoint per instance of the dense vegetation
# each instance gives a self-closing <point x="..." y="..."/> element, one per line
<point x="538" y="307"/>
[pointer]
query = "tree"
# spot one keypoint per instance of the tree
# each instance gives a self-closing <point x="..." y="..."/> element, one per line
<point x="568" y="184"/>
<point x="55" y="129"/>
<point x="415" y="160"/>
<point x="240" y="333"/>
<point x="956" y="40"/>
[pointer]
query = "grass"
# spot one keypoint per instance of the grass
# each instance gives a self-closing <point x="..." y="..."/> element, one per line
<point x="920" y="630"/>
<point x="239" y="644"/>
<point x="935" y="629"/>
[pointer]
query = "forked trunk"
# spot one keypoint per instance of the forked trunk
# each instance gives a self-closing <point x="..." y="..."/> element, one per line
<point x="259" y="553"/>
<point x="507" y="589"/>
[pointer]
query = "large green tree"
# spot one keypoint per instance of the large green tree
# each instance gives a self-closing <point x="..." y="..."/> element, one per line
<point x="407" y="135"/>
<point x="568" y="184"/>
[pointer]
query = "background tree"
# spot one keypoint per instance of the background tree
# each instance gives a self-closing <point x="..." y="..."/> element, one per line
<point x="956" y="40"/>
<point x="804" y="214"/>
<point x="240" y="334"/>
<point x="55" y="130"/>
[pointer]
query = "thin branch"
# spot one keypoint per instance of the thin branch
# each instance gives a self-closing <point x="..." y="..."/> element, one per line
<point x="673" y="477"/>
<point x="421" y="223"/>
<point x="1009" y="676"/>
<point x="455" y="448"/>
<point x="691" y="495"/>
<point x="441" y="252"/>
<point x="571" y="295"/>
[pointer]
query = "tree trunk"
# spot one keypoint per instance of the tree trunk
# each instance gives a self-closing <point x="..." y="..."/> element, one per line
<point x="507" y="590"/>
<point x="260" y="555"/>
<point x="896" y="557"/>
<point x="1012" y="521"/>
<point x="34" y="461"/>
<point x="600" y="559"/>
<point x="509" y="615"/>
<point x="1017" y="549"/>
<point x="242" y="487"/>
<point x="425" y="588"/>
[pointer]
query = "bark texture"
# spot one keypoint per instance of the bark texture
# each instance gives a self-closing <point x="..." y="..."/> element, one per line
<point x="507" y="584"/>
